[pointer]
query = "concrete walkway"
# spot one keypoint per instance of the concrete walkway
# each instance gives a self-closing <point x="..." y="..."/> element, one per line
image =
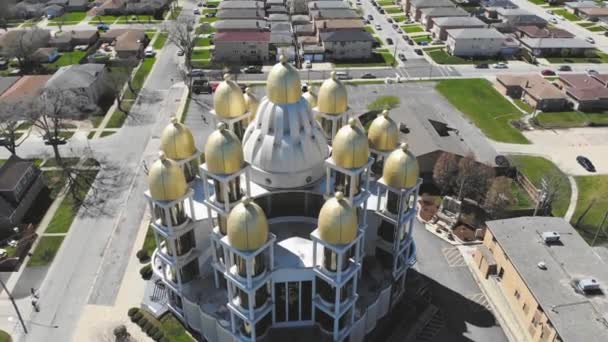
<point x="573" y="199"/>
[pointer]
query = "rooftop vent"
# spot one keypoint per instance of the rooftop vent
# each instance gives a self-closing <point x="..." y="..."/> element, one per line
<point x="550" y="237"/>
<point x="589" y="285"/>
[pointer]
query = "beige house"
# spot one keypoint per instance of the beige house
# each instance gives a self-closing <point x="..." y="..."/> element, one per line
<point x="533" y="90"/>
<point x="242" y="46"/>
<point x="428" y="15"/>
<point x="342" y="45"/>
<point x="414" y="7"/>
<point x="443" y="24"/>
<point x="552" y="280"/>
<point x="470" y="42"/>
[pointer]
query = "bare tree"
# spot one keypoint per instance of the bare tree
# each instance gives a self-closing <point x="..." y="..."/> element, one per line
<point x="499" y="196"/>
<point x="6" y="12"/>
<point x="445" y="172"/>
<point x="182" y="35"/>
<point x="473" y="178"/>
<point x="22" y="44"/>
<point x="11" y="116"/>
<point x="117" y="77"/>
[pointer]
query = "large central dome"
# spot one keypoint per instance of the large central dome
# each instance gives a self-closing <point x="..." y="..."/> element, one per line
<point x="285" y="144"/>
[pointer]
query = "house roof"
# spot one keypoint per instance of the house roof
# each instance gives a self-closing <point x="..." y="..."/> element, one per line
<point x="594" y="11"/>
<point x="431" y="3"/>
<point x="236" y="4"/>
<point x="444" y="12"/>
<point x="511" y="12"/>
<point x="281" y="37"/>
<point x="574" y="315"/>
<point x="459" y="22"/>
<point x="12" y="171"/>
<point x="75" y="76"/>
<point x="545" y="32"/>
<point x="7" y="82"/>
<point x="583" y="87"/>
<point x="130" y="41"/>
<point x="280" y="27"/>
<point x="26" y="86"/>
<point x="535" y="85"/>
<point x="333" y="14"/>
<point x="497" y="3"/>
<point x="242" y="36"/>
<point x="300" y="19"/>
<point x="304" y="28"/>
<point x="339" y="24"/>
<point x="466" y="33"/>
<point x="241" y="24"/>
<point x="347" y="36"/>
<point x="240" y="13"/>
<point x="555" y="43"/>
<point x="327" y="4"/>
<point x="581" y="4"/>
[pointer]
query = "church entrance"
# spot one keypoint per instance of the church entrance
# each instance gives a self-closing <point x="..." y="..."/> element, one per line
<point x="293" y="303"/>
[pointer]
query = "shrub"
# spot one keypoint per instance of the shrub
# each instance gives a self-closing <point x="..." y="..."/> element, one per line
<point x="143" y="256"/>
<point x="153" y="330"/>
<point x="158" y="336"/>
<point x="142" y="321"/>
<point x="147" y="326"/>
<point x="136" y="317"/>
<point x="164" y="339"/>
<point x="132" y="311"/>
<point x="146" y="272"/>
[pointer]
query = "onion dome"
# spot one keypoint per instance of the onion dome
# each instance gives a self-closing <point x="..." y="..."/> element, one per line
<point x="310" y="97"/>
<point x="166" y="180"/>
<point x="223" y="151"/>
<point x="247" y="226"/>
<point x="252" y="103"/>
<point x="383" y="133"/>
<point x="283" y="83"/>
<point x="400" y="168"/>
<point x="337" y="221"/>
<point x="332" y="97"/>
<point x="350" y="146"/>
<point x="228" y="99"/>
<point x="177" y="141"/>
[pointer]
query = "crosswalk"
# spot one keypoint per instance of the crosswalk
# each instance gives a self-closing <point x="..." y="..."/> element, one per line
<point x="453" y="257"/>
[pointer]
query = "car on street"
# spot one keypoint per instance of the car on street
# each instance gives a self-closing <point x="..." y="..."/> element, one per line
<point x="399" y="30"/>
<point x="343" y="75"/>
<point x="395" y="26"/>
<point x="585" y="163"/>
<point x="389" y="41"/>
<point x="482" y="66"/>
<point x="548" y="72"/>
<point x="565" y="68"/>
<point x="411" y="42"/>
<point x="402" y="57"/>
<point x="381" y="11"/>
<point x="501" y="65"/>
<point x="201" y="86"/>
<point x="549" y="11"/>
<point x="253" y="69"/>
<point x="418" y="52"/>
<point x="423" y="43"/>
<point x="368" y="76"/>
<point x="591" y="71"/>
<point x="197" y="11"/>
<point x="103" y="27"/>
<point x="370" y="17"/>
<point x="367" y="22"/>
<point x="200" y="4"/>
<point x="590" y="40"/>
<point x="149" y="52"/>
<point x="197" y="73"/>
<point x="378" y="27"/>
<point x="389" y="20"/>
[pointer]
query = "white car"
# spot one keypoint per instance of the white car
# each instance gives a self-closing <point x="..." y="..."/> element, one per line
<point x="553" y="20"/>
<point x="308" y="64"/>
<point x="378" y="27"/>
<point x="149" y="52"/>
<point x="501" y="65"/>
<point x="590" y="40"/>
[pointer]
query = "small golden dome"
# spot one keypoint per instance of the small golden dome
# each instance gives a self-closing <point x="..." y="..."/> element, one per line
<point x="223" y="151"/>
<point x="332" y="97"/>
<point x="337" y="221"/>
<point x="311" y="98"/>
<point x="283" y="83"/>
<point x="400" y="168"/>
<point x="166" y="180"/>
<point x="247" y="226"/>
<point x="228" y="99"/>
<point x="177" y="141"/>
<point x="252" y="103"/>
<point x="383" y="133"/>
<point x="350" y="146"/>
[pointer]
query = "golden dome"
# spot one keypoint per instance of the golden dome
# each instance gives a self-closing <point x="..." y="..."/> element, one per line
<point x="311" y="98"/>
<point x="350" y="146"/>
<point x="337" y="221"/>
<point x="166" y="180"/>
<point x="177" y="141"/>
<point x="228" y="99"/>
<point x="400" y="168"/>
<point x="383" y="133"/>
<point x="252" y="103"/>
<point x="332" y="97"/>
<point x="223" y="151"/>
<point x="283" y="83"/>
<point x="247" y="226"/>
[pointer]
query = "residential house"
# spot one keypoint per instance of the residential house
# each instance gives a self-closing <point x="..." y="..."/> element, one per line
<point x="241" y="4"/>
<point x="28" y="10"/>
<point x="277" y="10"/>
<point x="542" y="32"/>
<point x="241" y="25"/>
<point x="429" y="14"/>
<point x="109" y="7"/>
<point x="534" y="90"/>
<point x="300" y="19"/>
<point x="240" y="14"/>
<point x="304" y="30"/>
<point x="77" y="5"/>
<point x="68" y="40"/>
<point x="317" y="5"/>
<point x="45" y="55"/>
<point x="414" y="7"/>
<point x="326" y="14"/>
<point x="593" y="13"/>
<point x="349" y="44"/>
<point x="53" y="11"/>
<point x="551" y="281"/>
<point x="242" y="47"/>
<point x="29" y="86"/>
<point x="471" y="42"/>
<point x="518" y="17"/>
<point x="338" y="24"/>
<point x="590" y="92"/>
<point x="548" y="47"/>
<point x="574" y="6"/>
<point x="129" y="44"/>
<point x="62" y="3"/>
<point x="20" y="184"/>
<point x="494" y="4"/>
<point x="29" y="39"/>
<point x="155" y="8"/>
<point x="441" y="25"/>
<point x="89" y="80"/>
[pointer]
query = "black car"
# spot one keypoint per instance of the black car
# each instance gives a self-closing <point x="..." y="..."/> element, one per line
<point x="389" y="41"/>
<point x="370" y="17"/>
<point x="585" y="163"/>
<point x="418" y="52"/>
<point x="411" y="42"/>
<point x="368" y="76"/>
<point x="381" y="11"/>
<point x="402" y="57"/>
<point x="565" y="68"/>
<point x="482" y="66"/>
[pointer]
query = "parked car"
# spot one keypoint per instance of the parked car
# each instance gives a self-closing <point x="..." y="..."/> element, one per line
<point x="411" y="42"/>
<point x="585" y="163"/>
<point x="210" y="15"/>
<point x="553" y="20"/>
<point x="197" y="73"/>
<point x="399" y="30"/>
<point x="367" y="22"/>
<point x="548" y="72"/>
<point x="389" y="41"/>
<point x="378" y="27"/>
<point x="418" y="52"/>
<point x="389" y="20"/>
<point x="402" y="57"/>
<point x="590" y="40"/>
<point x="482" y="66"/>
<point x="343" y="75"/>
<point x="201" y="86"/>
<point x="253" y="69"/>
<point x="180" y="52"/>
<point x="197" y="11"/>
<point x="368" y="76"/>
<point x="200" y="4"/>
<point x="381" y="11"/>
<point x="565" y="68"/>
<point x="103" y="27"/>
<point x="149" y="52"/>
<point x="591" y="71"/>
<point x="501" y="65"/>
<point x="423" y="43"/>
<point x="308" y="64"/>
<point x="370" y="17"/>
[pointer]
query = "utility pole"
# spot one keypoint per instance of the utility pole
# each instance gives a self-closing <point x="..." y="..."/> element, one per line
<point x="10" y="296"/>
<point x="395" y="53"/>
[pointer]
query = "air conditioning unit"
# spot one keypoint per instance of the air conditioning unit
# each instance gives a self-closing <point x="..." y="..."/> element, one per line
<point x="589" y="285"/>
<point x="550" y="237"/>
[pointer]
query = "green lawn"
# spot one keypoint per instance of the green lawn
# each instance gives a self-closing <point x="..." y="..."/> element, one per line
<point x="5" y="337"/>
<point x="106" y="133"/>
<point x="566" y="14"/>
<point x="175" y="13"/>
<point x="391" y="10"/>
<point x="591" y="188"/>
<point x="68" y="58"/>
<point x="118" y="118"/>
<point x="399" y="18"/>
<point x="174" y="330"/>
<point x="596" y="28"/>
<point x="106" y="19"/>
<point x="70" y="18"/>
<point x="585" y="24"/>
<point x="369" y="29"/>
<point x="201" y="54"/>
<point x="486" y="107"/>
<point x="412" y="28"/>
<point x="524" y="106"/>
<point x="440" y="56"/>
<point x="599" y="57"/>
<point x="207" y="20"/>
<point x="149" y="241"/>
<point x="140" y="76"/>
<point x="421" y="39"/>
<point x="535" y="168"/>
<point x="571" y="119"/>
<point x="522" y="199"/>
<point x="538" y="2"/>
<point x="379" y="58"/>
<point x="45" y="251"/>
<point x="203" y="41"/>
<point x="159" y="43"/>
<point x="385" y="3"/>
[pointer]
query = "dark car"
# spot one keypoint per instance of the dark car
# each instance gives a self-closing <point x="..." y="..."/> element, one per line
<point x="402" y="57"/>
<point x="180" y="52"/>
<point x="201" y="86"/>
<point x="585" y="163"/>
<point x="370" y="17"/>
<point x="389" y="41"/>
<point x="418" y="52"/>
<point x="381" y="11"/>
<point x="565" y="68"/>
<point x="368" y="76"/>
<point x="253" y="69"/>
<point x="411" y="42"/>
<point x="103" y="27"/>
<point x="548" y="72"/>
<point x="405" y="37"/>
<point x="482" y="66"/>
<point x="389" y="20"/>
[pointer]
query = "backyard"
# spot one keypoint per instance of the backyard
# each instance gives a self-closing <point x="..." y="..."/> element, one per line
<point x="68" y="58"/>
<point x="380" y="57"/>
<point x="571" y="119"/>
<point x="566" y="14"/>
<point x="440" y="56"/>
<point x="486" y="107"/>
<point x="70" y="18"/>
<point x="593" y="203"/>
<point x="412" y="28"/>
